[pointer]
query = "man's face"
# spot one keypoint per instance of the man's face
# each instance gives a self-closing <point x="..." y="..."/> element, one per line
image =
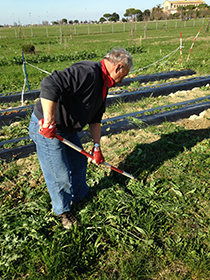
<point x="118" y="73"/>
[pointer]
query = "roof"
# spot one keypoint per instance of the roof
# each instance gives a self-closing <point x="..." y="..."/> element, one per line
<point x="185" y="2"/>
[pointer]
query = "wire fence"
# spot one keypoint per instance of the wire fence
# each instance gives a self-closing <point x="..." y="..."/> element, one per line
<point x="90" y="29"/>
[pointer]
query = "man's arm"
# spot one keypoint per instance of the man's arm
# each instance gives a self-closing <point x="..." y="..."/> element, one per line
<point x="95" y="131"/>
<point x="49" y="109"/>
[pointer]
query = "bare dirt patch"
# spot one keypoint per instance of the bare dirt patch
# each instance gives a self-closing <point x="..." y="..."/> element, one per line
<point x="197" y="122"/>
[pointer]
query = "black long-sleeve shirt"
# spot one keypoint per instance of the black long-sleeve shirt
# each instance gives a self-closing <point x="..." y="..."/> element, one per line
<point x="77" y="90"/>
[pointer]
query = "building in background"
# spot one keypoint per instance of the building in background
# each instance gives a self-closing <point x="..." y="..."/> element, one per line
<point x="171" y="6"/>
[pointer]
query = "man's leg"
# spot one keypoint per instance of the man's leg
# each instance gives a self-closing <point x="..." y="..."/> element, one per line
<point x="78" y="166"/>
<point x="53" y="159"/>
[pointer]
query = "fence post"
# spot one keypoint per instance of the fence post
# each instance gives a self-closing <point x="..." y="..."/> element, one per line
<point x="140" y="40"/>
<point x="181" y="47"/>
<point x="24" y="63"/>
<point x="145" y="31"/>
<point x="60" y="35"/>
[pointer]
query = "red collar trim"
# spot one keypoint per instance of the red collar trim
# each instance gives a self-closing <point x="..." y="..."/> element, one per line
<point x="108" y="81"/>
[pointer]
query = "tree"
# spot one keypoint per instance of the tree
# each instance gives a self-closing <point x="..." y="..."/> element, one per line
<point x="114" y="17"/>
<point x="132" y="13"/>
<point x="203" y="10"/>
<point x="63" y="21"/>
<point x="146" y="14"/>
<point x="102" y="19"/>
<point x="203" y="6"/>
<point x="111" y="17"/>
<point x="181" y="8"/>
<point x="207" y="27"/>
<point x="157" y="13"/>
<point x="139" y="16"/>
<point x="190" y="7"/>
<point x="174" y="16"/>
<point x="107" y="16"/>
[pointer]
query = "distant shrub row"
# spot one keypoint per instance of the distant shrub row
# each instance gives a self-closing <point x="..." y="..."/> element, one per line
<point x="17" y="60"/>
<point x="38" y="58"/>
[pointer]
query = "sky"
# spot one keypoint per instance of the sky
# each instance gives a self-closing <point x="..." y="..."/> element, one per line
<point x="36" y="11"/>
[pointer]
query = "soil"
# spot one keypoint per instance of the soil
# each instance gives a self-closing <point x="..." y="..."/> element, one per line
<point x="120" y="142"/>
<point x="194" y="122"/>
<point x="201" y="121"/>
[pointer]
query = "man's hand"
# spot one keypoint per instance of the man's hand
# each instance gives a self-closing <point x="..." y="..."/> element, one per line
<point x="49" y="131"/>
<point x="97" y="154"/>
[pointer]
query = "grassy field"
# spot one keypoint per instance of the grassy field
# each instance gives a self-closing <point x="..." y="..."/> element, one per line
<point x="152" y="228"/>
<point x="156" y="227"/>
<point x="62" y="48"/>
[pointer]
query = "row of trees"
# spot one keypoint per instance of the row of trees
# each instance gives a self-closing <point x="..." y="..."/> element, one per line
<point x="130" y="15"/>
<point x="156" y="13"/>
<point x="189" y="11"/>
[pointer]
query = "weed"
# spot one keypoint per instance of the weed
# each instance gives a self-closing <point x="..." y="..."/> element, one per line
<point x="134" y="84"/>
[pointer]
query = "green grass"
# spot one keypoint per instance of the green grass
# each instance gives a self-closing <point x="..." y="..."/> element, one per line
<point x="156" y="227"/>
<point x="152" y="228"/>
<point x="53" y="52"/>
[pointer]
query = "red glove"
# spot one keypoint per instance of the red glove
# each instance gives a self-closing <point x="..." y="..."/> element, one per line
<point x="97" y="154"/>
<point x="48" y="132"/>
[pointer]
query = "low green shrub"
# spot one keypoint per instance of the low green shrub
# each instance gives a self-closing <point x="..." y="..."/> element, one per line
<point x="135" y="49"/>
<point x="28" y="48"/>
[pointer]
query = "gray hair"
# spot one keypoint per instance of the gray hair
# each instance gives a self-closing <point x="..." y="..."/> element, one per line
<point x="117" y="55"/>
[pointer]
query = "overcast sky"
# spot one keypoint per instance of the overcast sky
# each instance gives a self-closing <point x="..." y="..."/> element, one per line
<point x="36" y="11"/>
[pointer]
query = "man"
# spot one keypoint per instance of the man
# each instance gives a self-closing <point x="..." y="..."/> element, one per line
<point x="69" y="100"/>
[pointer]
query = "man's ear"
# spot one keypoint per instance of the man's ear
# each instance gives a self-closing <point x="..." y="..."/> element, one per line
<point x="117" y="68"/>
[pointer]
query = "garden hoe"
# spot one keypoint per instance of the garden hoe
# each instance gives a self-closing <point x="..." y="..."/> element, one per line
<point x="78" y="149"/>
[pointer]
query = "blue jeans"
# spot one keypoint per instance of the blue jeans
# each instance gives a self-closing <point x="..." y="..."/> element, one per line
<point x="64" y="169"/>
